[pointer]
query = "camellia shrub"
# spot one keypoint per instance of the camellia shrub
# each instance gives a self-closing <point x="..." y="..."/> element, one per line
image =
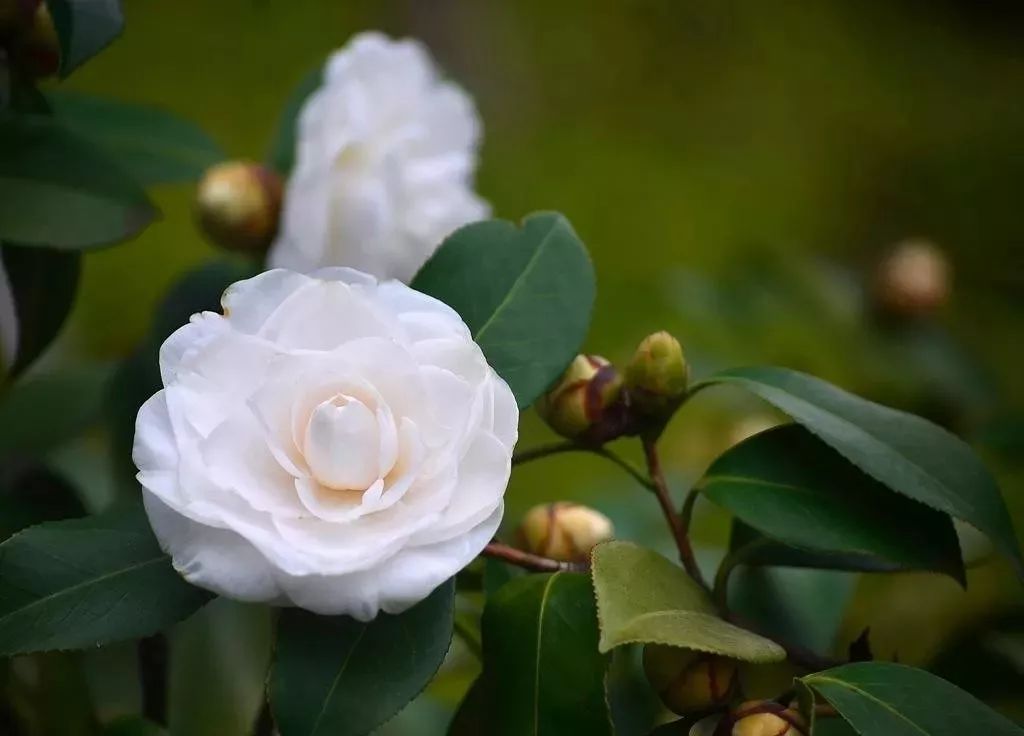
<point x="326" y="424"/>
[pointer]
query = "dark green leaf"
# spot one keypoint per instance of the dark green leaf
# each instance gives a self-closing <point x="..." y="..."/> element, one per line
<point x="46" y="411"/>
<point x="282" y="152"/>
<point x="885" y="699"/>
<point x="335" y="676"/>
<point x="43" y="283"/>
<point x="525" y="292"/>
<point x="57" y="189"/>
<point x="632" y="702"/>
<point x="644" y="598"/>
<point x="540" y="649"/>
<point x="84" y="28"/>
<point x="32" y="496"/>
<point x="219" y="661"/>
<point x="86" y="582"/>
<point x="905" y="452"/>
<point x="792" y="487"/>
<point x="474" y="714"/>
<point x="152" y="145"/>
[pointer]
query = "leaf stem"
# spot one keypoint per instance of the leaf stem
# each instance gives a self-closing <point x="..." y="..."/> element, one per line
<point x="733" y="560"/>
<point x="559" y="448"/>
<point x="529" y="561"/>
<point x="679" y="532"/>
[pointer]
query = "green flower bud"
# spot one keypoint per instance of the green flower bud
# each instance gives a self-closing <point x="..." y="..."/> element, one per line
<point x="238" y="204"/>
<point x="657" y="375"/>
<point x="914" y="280"/>
<point x="767" y="718"/>
<point x="36" y="49"/>
<point x="689" y="682"/>
<point x="564" y="531"/>
<point x="582" y="396"/>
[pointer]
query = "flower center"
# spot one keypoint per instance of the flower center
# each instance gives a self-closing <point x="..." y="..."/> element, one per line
<point x="342" y="444"/>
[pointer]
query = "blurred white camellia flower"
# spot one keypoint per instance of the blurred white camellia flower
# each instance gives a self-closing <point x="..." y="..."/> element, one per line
<point x="330" y="442"/>
<point x="385" y="156"/>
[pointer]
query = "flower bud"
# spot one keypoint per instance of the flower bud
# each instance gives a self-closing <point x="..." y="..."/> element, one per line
<point x="657" y="375"/>
<point x="582" y="396"/>
<point x="239" y="205"/>
<point x="767" y="718"/>
<point x="564" y="531"/>
<point x="687" y="681"/>
<point x="913" y="280"/>
<point x="36" y="49"/>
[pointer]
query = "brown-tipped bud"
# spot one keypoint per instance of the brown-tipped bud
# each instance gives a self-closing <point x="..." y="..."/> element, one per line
<point x="688" y="682"/>
<point x="582" y="396"/>
<point x="564" y="531"/>
<point x="35" y="49"/>
<point x="657" y="375"/>
<point x="767" y="718"/>
<point x="914" y="280"/>
<point x="239" y="205"/>
<point x="16" y="16"/>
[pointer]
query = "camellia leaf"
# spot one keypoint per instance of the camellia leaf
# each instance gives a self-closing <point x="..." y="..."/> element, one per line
<point x="58" y="190"/>
<point x="792" y="487"/>
<point x="46" y="411"/>
<point x="885" y="699"/>
<point x="133" y="726"/>
<point x="473" y="715"/>
<point x="282" y="151"/>
<point x="905" y="452"/>
<point x="643" y="598"/>
<point x="43" y="282"/>
<point x="84" y="28"/>
<point x="525" y="292"/>
<point x="335" y="676"/>
<point x="86" y="582"/>
<point x="152" y="145"/>
<point x="541" y="657"/>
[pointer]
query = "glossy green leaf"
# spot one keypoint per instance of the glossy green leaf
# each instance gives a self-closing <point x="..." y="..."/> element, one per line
<point x="885" y="699"/>
<point x="152" y="145"/>
<point x="86" y="582"/>
<point x="335" y="676"/>
<point x="57" y="189"/>
<point x="473" y="716"/>
<point x="634" y="706"/>
<point x="644" y="598"/>
<point x="525" y="292"/>
<point x="793" y="488"/>
<point x="43" y="282"/>
<point x="84" y="28"/>
<point x="902" y="451"/>
<point x="282" y="151"/>
<point x="540" y="651"/>
<point x="48" y="410"/>
<point x="219" y="660"/>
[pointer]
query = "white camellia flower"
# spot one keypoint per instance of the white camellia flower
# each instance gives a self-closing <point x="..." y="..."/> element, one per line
<point x="329" y="442"/>
<point x="385" y="156"/>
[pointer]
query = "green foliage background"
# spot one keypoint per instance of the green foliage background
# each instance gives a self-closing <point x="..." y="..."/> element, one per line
<point x="677" y="136"/>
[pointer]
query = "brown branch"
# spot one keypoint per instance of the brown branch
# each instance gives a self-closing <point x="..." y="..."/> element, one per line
<point x="675" y="522"/>
<point x="529" y="561"/>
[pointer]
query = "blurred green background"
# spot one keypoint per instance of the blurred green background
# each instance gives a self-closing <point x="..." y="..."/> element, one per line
<point x="735" y="169"/>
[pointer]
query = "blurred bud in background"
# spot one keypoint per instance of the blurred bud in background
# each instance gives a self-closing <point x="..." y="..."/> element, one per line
<point x="687" y="681"/>
<point x="767" y="718"/>
<point x="564" y="531"/>
<point x="34" y="47"/>
<point x="913" y="280"/>
<point x="581" y="398"/>
<point x="238" y="204"/>
<point x="656" y="376"/>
